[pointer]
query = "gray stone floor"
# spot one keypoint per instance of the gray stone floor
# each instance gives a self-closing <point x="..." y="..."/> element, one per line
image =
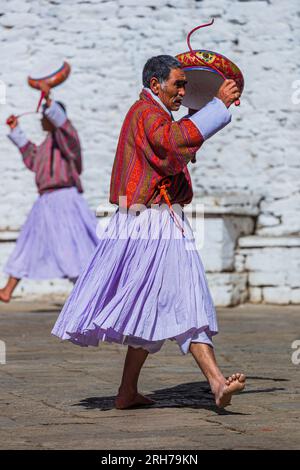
<point x="55" y="395"/>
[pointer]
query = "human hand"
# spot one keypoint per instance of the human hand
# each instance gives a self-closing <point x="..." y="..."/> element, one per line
<point x="228" y="92"/>
<point x="12" y="121"/>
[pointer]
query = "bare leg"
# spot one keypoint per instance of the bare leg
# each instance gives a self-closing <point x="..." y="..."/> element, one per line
<point x="6" y="292"/>
<point x="222" y="388"/>
<point x="128" y="395"/>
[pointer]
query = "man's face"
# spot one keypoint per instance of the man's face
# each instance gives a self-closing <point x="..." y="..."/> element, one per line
<point x="172" y="91"/>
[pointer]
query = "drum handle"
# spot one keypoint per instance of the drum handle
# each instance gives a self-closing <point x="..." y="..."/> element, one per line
<point x="237" y="102"/>
<point x="40" y="101"/>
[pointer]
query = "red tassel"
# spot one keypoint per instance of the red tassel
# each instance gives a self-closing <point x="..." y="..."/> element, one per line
<point x="163" y="193"/>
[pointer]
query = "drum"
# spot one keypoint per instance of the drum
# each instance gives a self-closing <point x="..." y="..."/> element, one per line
<point x="205" y="72"/>
<point x="53" y="75"/>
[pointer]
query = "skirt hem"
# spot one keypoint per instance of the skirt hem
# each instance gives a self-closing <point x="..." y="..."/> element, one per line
<point x="98" y="335"/>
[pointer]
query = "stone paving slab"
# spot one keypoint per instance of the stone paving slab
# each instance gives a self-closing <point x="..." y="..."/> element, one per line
<point x="55" y="395"/>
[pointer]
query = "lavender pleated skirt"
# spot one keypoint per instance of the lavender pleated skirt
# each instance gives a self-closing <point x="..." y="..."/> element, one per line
<point x="144" y="284"/>
<point x="57" y="239"/>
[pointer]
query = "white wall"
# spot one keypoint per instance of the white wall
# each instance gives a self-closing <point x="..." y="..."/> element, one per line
<point x="107" y="44"/>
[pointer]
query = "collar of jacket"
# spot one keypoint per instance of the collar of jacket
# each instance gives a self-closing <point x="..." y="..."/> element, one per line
<point x="147" y="95"/>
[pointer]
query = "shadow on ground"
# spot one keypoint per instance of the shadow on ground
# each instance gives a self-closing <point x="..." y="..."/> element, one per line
<point x="189" y="395"/>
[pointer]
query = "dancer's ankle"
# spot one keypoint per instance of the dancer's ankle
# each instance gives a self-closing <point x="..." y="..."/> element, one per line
<point x="127" y="390"/>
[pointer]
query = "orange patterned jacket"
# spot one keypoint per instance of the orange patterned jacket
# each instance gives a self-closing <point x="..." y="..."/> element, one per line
<point x="151" y="147"/>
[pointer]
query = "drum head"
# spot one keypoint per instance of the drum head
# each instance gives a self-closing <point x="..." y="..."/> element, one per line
<point x="45" y="69"/>
<point x="202" y="86"/>
<point x="205" y="72"/>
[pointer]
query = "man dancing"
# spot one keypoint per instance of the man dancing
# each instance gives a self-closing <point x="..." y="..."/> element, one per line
<point x="59" y="234"/>
<point x="139" y="289"/>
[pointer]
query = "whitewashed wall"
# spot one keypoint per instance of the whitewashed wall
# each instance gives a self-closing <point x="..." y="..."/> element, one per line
<point x="107" y="44"/>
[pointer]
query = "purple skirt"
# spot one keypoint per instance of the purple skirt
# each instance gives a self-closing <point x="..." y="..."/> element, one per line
<point x="57" y="239"/>
<point x="144" y="284"/>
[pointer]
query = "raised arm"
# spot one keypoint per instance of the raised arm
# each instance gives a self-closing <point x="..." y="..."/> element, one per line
<point x="171" y="144"/>
<point x="65" y="134"/>
<point x="174" y="144"/>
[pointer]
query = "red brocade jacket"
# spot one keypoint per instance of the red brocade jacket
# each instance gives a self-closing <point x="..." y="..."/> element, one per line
<point x="152" y="147"/>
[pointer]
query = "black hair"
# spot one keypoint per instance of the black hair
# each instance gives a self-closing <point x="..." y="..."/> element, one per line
<point x="160" y="68"/>
<point x="62" y="105"/>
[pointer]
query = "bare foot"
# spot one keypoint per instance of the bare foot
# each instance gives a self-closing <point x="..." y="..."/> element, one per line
<point x="4" y="296"/>
<point x="122" y="402"/>
<point x="234" y="384"/>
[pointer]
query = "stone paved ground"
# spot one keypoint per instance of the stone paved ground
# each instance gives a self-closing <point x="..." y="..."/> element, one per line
<point x="58" y="396"/>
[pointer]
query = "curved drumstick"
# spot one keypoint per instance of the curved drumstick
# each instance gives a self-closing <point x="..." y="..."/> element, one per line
<point x="237" y="102"/>
<point x="21" y="115"/>
<point x="25" y="114"/>
<point x="30" y="112"/>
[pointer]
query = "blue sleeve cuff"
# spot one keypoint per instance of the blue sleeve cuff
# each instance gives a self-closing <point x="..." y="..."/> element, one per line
<point x="56" y="114"/>
<point x="18" y="137"/>
<point x="212" y="118"/>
